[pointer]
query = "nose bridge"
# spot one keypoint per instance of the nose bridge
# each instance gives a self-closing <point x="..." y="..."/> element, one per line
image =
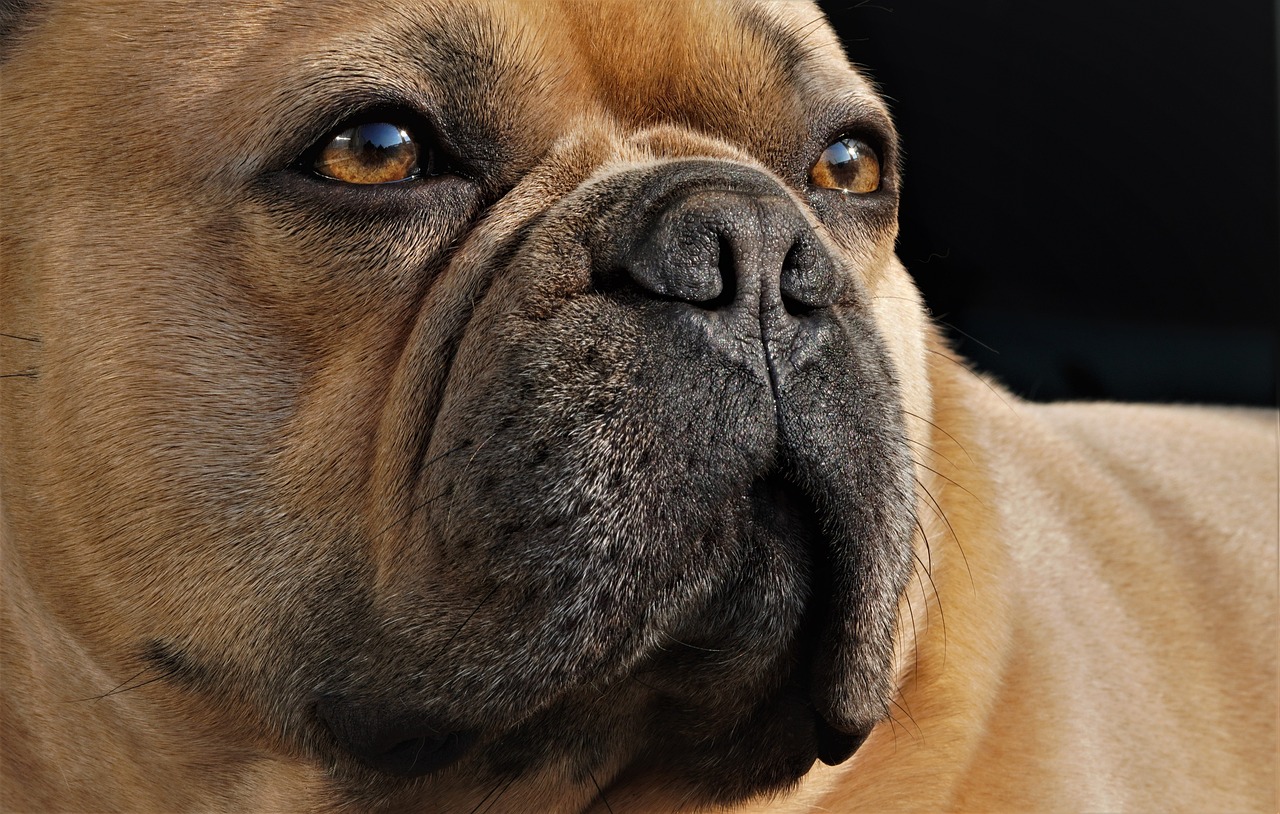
<point x="772" y="228"/>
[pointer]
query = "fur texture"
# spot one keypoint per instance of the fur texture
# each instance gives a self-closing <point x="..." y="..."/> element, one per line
<point x="611" y="465"/>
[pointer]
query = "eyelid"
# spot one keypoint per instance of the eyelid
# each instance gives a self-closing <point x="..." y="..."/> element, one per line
<point x="854" y="117"/>
<point x="868" y="134"/>
<point x="409" y="118"/>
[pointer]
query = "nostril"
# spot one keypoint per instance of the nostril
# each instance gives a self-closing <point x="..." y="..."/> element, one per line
<point x="726" y="265"/>
<point x="836" y="746"/>
<point x="790" y="272"/>
<point x="809" y="280"/>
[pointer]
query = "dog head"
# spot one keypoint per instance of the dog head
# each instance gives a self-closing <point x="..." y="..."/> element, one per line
<point x="462" y="395"/>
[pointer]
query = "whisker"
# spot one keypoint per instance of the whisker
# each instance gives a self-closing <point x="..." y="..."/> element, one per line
<point x="444" y="650"/>
<point x="928" y="547"/>
<point x="937" y="509"/>
<point x="500" y="787"/>
<point x="127" y="685"/>
<point x="422" y="505"/>
<point x="970" y="337"/>
<point x="894" y="724"/>
<point x="959" y="486"/>
<point x="972" y="373"/>
<point x="894" y="297"/>
<point x="941" y="430"/>
<point x="915" y="639"/>
<point x="488" y="794"/>
<point x="693" y="646"/>
<point x="417" y="507"/>
<point x="599" y="791"/>
<point x="930" y="449"/>
<point x="942" y="614"/>
<point x="466" y="470"/>
<point x="910" y="717"/>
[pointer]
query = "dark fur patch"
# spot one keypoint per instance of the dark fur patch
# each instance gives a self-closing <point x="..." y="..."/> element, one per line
<point x="173" y="663"/>
<point x="16" y="17"/>
<point x="787" y="44"/>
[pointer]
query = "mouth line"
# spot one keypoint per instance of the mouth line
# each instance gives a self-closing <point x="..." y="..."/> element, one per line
<point x="834" y="745"/>
<point x="789" y="518"/>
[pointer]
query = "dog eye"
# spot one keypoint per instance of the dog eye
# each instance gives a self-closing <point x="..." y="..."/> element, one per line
<point x="848" y="165"/>
<point x="375" y="152"/>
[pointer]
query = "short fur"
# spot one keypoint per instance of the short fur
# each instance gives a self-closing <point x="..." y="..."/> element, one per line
<point x="448" y="496"/>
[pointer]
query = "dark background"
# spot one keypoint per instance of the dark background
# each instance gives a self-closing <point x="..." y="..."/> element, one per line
<point x="1092" y="189"/>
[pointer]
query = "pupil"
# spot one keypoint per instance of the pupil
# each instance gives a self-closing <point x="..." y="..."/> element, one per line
<point x="839" y="153"/>
<point x="381" y="136"/>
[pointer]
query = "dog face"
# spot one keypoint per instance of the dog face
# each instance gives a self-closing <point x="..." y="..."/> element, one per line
<point x="464" y="395"/>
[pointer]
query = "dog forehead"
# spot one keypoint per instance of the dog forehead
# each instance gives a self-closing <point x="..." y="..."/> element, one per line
<point x="643" y="61"/>
<point x="669" y="56"/>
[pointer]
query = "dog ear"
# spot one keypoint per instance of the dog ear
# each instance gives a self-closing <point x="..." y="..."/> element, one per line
<point x="15" y="18"/>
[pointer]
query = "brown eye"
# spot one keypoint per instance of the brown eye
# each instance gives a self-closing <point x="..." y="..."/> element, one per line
<point x="848" y="165"/>
<point x="371" y="153"/>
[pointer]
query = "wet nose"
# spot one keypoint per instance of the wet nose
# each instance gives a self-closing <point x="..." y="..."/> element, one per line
<point x="715" y="248"/>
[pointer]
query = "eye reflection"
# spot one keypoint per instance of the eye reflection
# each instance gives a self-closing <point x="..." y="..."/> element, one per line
<point x="371" y="153"/>
<point x="847" y="165"/>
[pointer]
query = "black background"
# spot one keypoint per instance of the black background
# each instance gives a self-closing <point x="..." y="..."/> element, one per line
<point x="1092" y="189"/>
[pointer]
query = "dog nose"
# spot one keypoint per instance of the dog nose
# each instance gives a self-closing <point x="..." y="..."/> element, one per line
<point x="721" y="248"/>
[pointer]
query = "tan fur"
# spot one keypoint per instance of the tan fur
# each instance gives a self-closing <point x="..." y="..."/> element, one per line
<point x="1092" y="622"/>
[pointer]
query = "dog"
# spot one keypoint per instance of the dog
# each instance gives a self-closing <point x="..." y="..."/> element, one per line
<point x="517" y="405"/>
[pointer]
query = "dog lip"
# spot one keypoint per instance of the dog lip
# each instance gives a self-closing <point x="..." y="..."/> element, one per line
<point x="420" y="755"/>
<point x="835" y="743"/>
<point x="793" y="514"/>
<point x="836" y="746"/>
<point x="396" y="742"/>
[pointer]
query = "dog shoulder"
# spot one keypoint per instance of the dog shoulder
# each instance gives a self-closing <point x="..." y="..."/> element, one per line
<point x="1142" y="547"/>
